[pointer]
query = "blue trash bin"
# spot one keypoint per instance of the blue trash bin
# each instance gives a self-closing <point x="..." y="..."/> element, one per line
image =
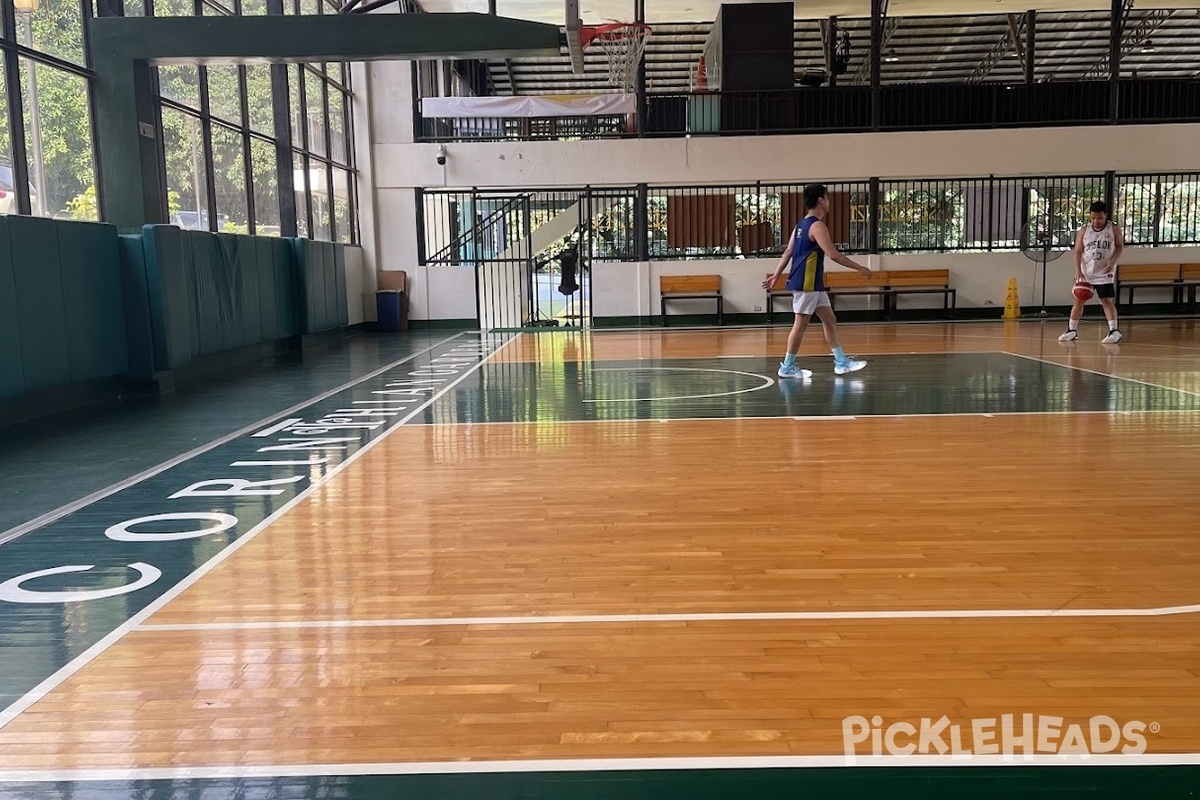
<point x="389" y="310"/>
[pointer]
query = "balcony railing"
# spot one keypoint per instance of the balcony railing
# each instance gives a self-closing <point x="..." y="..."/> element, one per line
<point x="850" y="109"/>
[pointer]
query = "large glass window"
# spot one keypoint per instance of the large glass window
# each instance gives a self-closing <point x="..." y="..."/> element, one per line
<point x="187" y="188"/>
<point x="220" y="119"/>
<point x="54" y="129"/>
<point x="58" y="142"/>
<point x="218" y="122"/>
<point x="266" y="187"/>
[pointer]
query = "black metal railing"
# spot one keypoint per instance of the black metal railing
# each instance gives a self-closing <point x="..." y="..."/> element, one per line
<point x="848" y="109"/>
<point x="980" y="214"/>
<point x="532" y="226"/>
<point x="524" y="129"/>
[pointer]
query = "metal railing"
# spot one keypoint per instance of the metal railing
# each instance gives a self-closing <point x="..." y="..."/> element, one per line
<point x="1158" y="210"/>
<point x="849" y="109"/>
<point x="755" y="220"/>
<point x="523" y="129"/>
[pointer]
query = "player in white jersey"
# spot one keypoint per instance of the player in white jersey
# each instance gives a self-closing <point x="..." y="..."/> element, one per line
<point x="1098" y="245"/>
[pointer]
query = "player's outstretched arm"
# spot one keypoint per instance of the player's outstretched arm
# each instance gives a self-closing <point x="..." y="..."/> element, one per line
<point x="820" y="232"/>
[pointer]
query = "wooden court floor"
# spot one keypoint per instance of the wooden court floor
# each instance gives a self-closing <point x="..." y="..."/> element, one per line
<point x="634" y="550"/>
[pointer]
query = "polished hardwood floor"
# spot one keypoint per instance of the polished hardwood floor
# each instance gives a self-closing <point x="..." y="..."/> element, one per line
<point x="544" y="586"/>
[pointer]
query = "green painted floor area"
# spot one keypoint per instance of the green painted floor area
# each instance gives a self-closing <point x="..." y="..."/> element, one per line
<point x="69" y="583"/>
<point x="877" y="783"/>
<point x="942" y="383"/>
<point x="50" y="464"/>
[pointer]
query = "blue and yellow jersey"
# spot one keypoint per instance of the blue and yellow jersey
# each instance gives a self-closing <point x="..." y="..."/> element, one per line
<point x="808" y="261"/>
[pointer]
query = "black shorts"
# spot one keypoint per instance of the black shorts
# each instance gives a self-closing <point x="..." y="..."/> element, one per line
<point x="1105" y="289"/>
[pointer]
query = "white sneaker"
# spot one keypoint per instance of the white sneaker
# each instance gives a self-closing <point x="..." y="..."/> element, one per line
<point x="849" y="365"/>
<point x="792" y="371"/>
<point x="1069" y="336"/>
<point x="1114" y="336"/>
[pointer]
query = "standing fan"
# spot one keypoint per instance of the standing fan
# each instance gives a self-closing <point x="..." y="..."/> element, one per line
<point x="1045" y="238"/>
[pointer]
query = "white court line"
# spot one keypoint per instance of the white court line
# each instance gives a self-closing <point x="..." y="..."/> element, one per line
<point x="769" y="382"/>
<point x="857" y="353"/>
<point x="1104" y="374"/>
<point x="988" y="414"/>
<point x="83" y="502"/>
<point x="814" y="417"/>
<point x="956" y="324"/>
<point x="77" y="663"/>
<point x="617" y="619"/>
<point x="600" y="765"/>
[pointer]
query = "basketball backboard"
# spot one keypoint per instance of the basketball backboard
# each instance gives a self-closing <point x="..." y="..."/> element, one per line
<point x="574" y="45"/>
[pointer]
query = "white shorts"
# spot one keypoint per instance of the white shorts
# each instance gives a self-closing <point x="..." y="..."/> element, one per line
<point x="809" y="302"/>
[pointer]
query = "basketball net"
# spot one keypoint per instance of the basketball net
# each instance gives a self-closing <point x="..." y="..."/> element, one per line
<point x="623" y="44"/>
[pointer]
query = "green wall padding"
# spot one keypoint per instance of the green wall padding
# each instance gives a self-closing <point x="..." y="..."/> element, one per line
<point x="322" y="267"/>
<point x="41" y="308"/>
<point x="78" y="302"/>
<point x="62" y="304"/>
<point x="168" y="283"/>
<point x="287" y="287"/>
<point x="343" y="309"/>
<point x="139" y="332"/>
<point x="267" y="294"/>
<point x="217" y="292"/>
<point x="12" y="374"/>
<point x="95" y="307"/>
<point x="242" y="251"/>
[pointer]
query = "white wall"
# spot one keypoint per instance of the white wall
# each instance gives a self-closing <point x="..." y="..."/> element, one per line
<point x="387" y="217"/>
<point x="441" y="292"/>
<point x="829" y="157"/>
<point x="631" y="289"/>
<point x="360" y="288"/>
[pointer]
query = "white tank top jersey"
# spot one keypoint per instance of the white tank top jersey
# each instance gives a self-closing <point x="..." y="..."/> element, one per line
<point x="1097" y="247"/>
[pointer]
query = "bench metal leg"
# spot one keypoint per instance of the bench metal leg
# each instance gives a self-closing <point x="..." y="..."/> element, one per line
<point x="663" y="304"/>
<point x="720" y="311"/>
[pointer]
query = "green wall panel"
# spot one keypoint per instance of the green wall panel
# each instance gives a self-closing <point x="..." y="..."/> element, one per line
<point x="95" y="308"/>
<point x="41" y="308"/>
<point x="12" y="373"/>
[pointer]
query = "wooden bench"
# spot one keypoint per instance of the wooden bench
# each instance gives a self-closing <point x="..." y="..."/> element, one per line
<point x="691" y="287"/>
<point x="922" y="281"/>
<point x="844" y="283"/>
<point x="855" y="284"/>
<point x="1189" y="277"/>
<point x="1131" y="277"/>
<point x="887" y="284"/>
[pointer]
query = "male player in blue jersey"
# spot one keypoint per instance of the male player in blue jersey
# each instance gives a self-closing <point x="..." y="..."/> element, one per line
<point x="806" y="250"/>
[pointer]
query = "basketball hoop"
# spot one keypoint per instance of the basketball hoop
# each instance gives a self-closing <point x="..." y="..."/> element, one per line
<point x="623" y="44"/>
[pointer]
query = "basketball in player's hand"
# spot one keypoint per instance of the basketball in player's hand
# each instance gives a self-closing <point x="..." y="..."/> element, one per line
<point x="1082" y="290"/>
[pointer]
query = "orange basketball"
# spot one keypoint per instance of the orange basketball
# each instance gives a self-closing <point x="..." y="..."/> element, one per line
<point x="1083" y="290"/>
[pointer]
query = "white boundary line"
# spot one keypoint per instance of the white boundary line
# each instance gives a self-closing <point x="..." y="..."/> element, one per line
<point x="600" y="765"/>
<point x="769" y="383"/>
<point x="750" y="616"/>
<point x="989" y="414"/>
<point x="80" y="661"/>
<point x="83" y="502"/>
<point x="1104" y="374"/>
<point x="772" y="356"/>
<point x="816" y="417"/>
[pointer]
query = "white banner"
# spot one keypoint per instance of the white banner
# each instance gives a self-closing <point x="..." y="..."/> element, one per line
<point x="561" y="105"/>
